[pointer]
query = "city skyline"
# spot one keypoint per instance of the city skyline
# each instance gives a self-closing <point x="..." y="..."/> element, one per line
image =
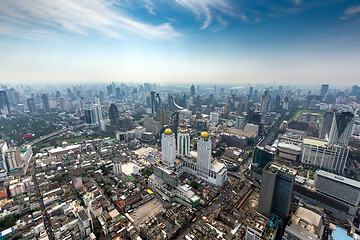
<point x="207" y="42"/>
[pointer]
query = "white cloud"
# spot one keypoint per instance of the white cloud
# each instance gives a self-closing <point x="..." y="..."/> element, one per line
<point x="352" y="10"/>
<point x="80" y="17"/>
<point x="206" y="9"/>
<point x="150" y="6"/>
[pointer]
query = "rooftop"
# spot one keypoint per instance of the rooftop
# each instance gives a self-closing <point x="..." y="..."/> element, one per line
<point x="315" y="142"/>
<point x="338" y="178"/>
<point x="274" y="167"/>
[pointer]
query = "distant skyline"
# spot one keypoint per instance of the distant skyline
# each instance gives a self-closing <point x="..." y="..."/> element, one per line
<point x="295" y="42"/>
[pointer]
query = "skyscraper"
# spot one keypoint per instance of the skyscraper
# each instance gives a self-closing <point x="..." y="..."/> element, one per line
<point x="324" y="89"/>
<point x="192" y="91"/>
<point x="326" y="124"/>
<point x="204" y="152"/>
<point x="31" y="105"/>
<point x="45" y="101"/>
<point x="4" y="102"/>
<point x="168" y="147"/>
<point x="263" y="156"/>
<point x="265" y="103"/>
<point x="183" y="143"/>
<point x="251" y="91"/>
<point x="239" y="122"/>
<point x="341" y="128"/>
<point x="113" y="113"/>
<point x="278" y="107"/>
<point x="276" y="189"/>
<point x="97" y="114"/>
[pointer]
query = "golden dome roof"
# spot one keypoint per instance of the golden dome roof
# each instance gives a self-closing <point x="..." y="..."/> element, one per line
<point x="204" y="135"/>
<point x="168" y="131"/>
<point x="183" y="131"/>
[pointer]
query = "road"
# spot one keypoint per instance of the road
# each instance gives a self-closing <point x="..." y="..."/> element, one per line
<point x="47" y="222"/>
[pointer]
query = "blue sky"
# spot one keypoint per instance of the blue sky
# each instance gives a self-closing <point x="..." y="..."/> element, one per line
<point x="187" y="41"/>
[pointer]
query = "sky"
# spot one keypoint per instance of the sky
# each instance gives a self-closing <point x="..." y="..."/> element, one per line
<point x="180" y="41"/>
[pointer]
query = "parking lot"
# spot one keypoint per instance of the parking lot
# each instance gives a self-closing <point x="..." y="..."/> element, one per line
<point x="148" y="209"/>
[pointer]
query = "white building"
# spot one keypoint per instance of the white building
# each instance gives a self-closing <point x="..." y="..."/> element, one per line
<point x="117" y="169"/>
<point x="239" y="122"/>
<point x="97" y="114"/>
<point x="168" y="147"/>
<point x="338" y="187"/>
<point x="318" y="153"/>
<point x="204" y="152"/>
<point x="214" y="118"/>
<point x="183" y="143"/>
<point x="139" y="131"/>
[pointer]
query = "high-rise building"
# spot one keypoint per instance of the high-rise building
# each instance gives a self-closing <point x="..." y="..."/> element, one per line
<point x="276" y="189"/>
<point x="3" y="167"/>
<point x="88" y="116"/>
<point x="324" y="89"/>
<point x="153" y="101"/>
<point x="31" y="105"/>
<point x="13" y="158"/>
<point x="239" y="122"/>
<point x="326" y="124"/>
<point x="278" y="107"/>
<point x="204" y="151"/>
<point x="251" y="91"/>
<point x="265" y="103"/>
<point x="338" y="187"/>
<point x="45" y="101"/>
<point x="263" y="155"/>
<point x="320" y="154"/>
<point x="183" y="143"/>
<point x="192" y="91"/>
<point x="17" y="98"/>
<point x="341" y="128"/>
<point x="168" y="147"/>
<point x="214" y="118"/>
<point x="97" y="114"/>
<point x="4" y="102"/>
<point x="113" y="113"/>
<point x="117" y="169"/>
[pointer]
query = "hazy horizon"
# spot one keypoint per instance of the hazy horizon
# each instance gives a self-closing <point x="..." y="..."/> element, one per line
<point x="294" y="42"/>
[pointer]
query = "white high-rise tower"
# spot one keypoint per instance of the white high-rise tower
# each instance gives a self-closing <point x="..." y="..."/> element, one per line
<point x="168" y="147"/>
<point x="204" y="151"/>
<point x="183" y="143"/>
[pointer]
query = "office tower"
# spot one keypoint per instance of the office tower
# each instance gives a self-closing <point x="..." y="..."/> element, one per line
<point x="326" y="124"/>
<point x="162" y="116"/>
<point x="88" y="116"/>
<point x="109" y="90"/>
<point x="13" y="158"/>
<point x="168" y="147"/>
<point x="183" y="143"/>
<point x="31" y="105"/>
<point x="97" y="114"/>
<point x="17" y="98"/>
<point x="214" y="118"/>
<point x="265" y="103"/>
<point x="278" y="107"/>
<point x="117" y="169"/>
<point x="341" y="128"/>
<point x="4" y="102"/>
<point x="62" y="103"/>
<point x="324" y="89"/>
<point x="192" y="91"/>
<point x="113" y="113"/>
<point x="204" y="152"/>
<point x="251" y="91"/>
<point x="276" y="189"/>
<point x="45" y="101"/>
<point x="3" y="167"/>
<point x="153" y="102"/>
<point x="320" y="154"/>
<point x="239" y="122"/>
<point x="341" y="188"/>
<point x="57" y="94"/>
<point x="118" y="93"/>
<point x="280" y="89"/>
<point x="263" y="155"/>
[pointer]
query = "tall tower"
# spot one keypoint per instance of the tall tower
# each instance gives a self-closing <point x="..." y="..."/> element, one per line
<point x="324" y="89"/>
<point x="192" y="91"/>
<point x="46" y="104"/>
<point x="204" y="151"/>
<point x="168" y="147"/>
<point x="265" y="103"/>
<point x="31" y="105"/>
<point x="97" y="114"/>
<point x="326" y="124"/>
<point x="183" y="143"/>
<point x="4" y="102"/>
<point x="341" y="128"/>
